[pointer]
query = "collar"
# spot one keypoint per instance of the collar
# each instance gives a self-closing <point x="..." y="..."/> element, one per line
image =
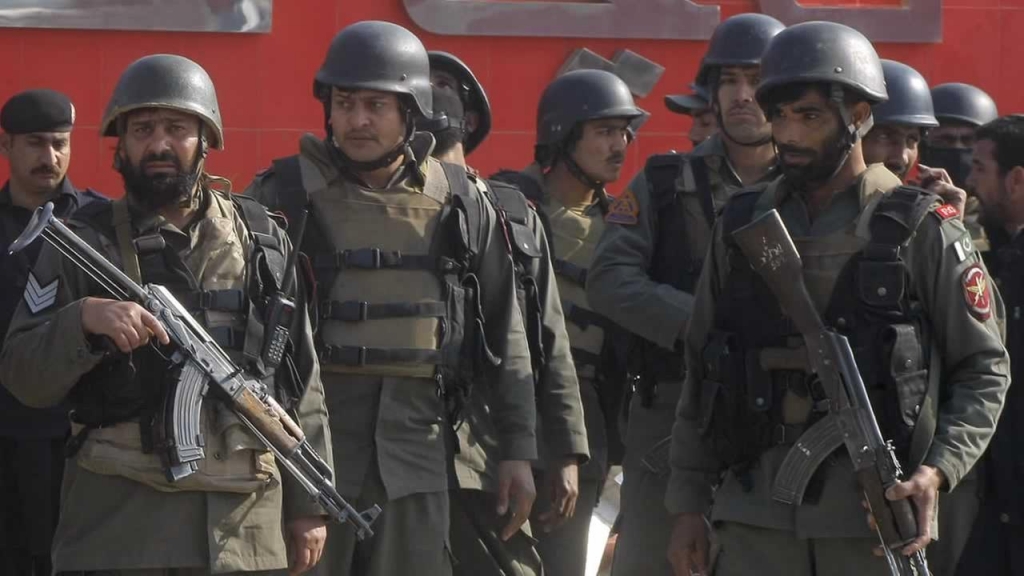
<point x="536" y="173"/>
<point x="66" y="199"/>
<point x="716" y="156"/>
<point x="147" y="222"/>
<point x="316" y="150"/>
<point x="871" y="183"/>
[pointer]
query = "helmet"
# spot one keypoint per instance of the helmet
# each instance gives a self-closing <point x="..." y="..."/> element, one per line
<point x="579" y="96"/>
<point x="909" y="103"/>
<point x="475" y="97"/>
<point x="381" y="56"/>
<point x="699" y="99"/>
<point x="963" y="103"/>
<point x="822" y="52"/>
<point x="166" y="81"/>
<point x="738" y="41"/>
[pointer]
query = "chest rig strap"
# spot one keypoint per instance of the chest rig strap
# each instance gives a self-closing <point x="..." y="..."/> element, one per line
<point x="883" y="275"/>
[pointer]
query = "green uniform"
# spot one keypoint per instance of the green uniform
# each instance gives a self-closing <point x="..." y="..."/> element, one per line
<point x="389" y="419"/>
<point x="574" y="233"/>
<point x="111" y="522"/>
<point x="621" y="286"/>
<point x="561" y="429"/>
<point x="831" y="535"/>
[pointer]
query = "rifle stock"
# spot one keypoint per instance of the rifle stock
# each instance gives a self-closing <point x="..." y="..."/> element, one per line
<point x="851" y="421"/>
<point x="203" y="364"/>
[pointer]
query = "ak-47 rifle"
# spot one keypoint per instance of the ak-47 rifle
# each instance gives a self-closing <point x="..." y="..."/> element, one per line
<point x="850" y="421"/>
<point x="205" y="367"/>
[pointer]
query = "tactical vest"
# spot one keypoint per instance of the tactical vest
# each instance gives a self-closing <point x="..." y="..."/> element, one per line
<point x="399" y="298"/>
<point x="757" y="391"/>
<point x="598" y="361"/>
<point x="675" y="260"/>
<point x="124" y="388"/>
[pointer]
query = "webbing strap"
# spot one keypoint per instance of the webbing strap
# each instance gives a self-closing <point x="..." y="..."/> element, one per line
<point x="123" y="228"/>
<point x="358" y="311"/>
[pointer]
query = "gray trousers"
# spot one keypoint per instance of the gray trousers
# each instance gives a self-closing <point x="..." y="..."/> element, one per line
<point x="476" y="543"/>
<point x="564" y="549"/>
<point x="753" y="551"/>
<point x="409" y="537"/>
<point x="644" y="526"/>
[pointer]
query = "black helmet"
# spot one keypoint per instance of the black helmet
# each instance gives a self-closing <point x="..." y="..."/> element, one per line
<point x="474" y="96"/>
<point x="699" y="99"/>
<point x="166" y="81"/>
<point x="380" y="56"/>
<point x="909" y="103"/>
<point x="579" y="96"/>
<point x="738" y="41"/>
<point x="963" y="103"/>
<point x="822" y="52"/>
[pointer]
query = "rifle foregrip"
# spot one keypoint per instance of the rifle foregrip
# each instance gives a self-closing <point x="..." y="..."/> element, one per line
<point x="265" y="419"/>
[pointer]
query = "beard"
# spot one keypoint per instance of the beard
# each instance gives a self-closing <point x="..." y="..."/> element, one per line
<point x="160" y="190"/>
<point x="820" y="167"/>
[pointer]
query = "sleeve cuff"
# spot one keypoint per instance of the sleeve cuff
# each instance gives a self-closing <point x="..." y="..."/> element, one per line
<point x="688" y="491"/>
<point x="519" y="448"/>
<point x="296" y="501"/>
<point x="568" y="444"/>
<point x="948" y="469"/>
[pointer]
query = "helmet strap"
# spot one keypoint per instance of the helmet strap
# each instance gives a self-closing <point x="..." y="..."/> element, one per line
<point x="851" y="134"/>
<point x="357" y="167"/>
<point x="596" y="185"/>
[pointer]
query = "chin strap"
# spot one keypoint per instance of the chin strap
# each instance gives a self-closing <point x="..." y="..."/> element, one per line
<point x="852" y="134"/>
<point x="356" y="167"/>
<point x="596" y="185"/>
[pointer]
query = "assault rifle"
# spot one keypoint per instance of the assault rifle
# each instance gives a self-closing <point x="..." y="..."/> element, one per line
<point x="850" y="421"/>
<point x="205" y="369"/>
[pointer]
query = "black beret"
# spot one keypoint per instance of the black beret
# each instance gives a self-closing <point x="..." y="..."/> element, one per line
<point x="37" y="111"/>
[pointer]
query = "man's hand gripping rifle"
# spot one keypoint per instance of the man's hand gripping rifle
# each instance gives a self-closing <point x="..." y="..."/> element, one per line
<point x="204" y="365"/>
<point x="850" y="421"/>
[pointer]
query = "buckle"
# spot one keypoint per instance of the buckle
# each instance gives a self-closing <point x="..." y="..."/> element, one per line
<point x="353" y="311"/>
<point x="369" y="258"/>
<point x="205" y="300"/>
<point x="779" y="434"/>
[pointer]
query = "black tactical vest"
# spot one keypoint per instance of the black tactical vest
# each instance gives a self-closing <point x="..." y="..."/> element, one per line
<point x="125" y="387"/>
<point x="873" y="305"/>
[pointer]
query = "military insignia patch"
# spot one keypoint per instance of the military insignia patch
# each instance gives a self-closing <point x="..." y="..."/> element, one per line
<point x="38" y="297"/>
<point x="977" y="293"/>
<point x="624" y="210"/>
<point x="947" y="211"/>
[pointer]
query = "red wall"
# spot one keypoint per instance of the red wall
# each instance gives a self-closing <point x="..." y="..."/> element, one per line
<point x="264" y="80"/>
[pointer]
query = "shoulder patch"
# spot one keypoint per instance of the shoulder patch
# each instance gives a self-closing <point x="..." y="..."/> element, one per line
<point x="977" y="293"/>
<point x="946" y="212"/>
<point x="964" y="247"/>
<point x="624" y="210"/>
<point x="39" y="297"/>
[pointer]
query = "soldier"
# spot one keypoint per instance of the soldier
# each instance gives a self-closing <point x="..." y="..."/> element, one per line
<point x="36" y="139"/>
<point x="960" y="110"/>
<point x="696" y="105"/>
<point x="997" y="179"/>
<point x="120" y="514"/>
<point x="584" y="121"/>
<point x="647" y="263"/>
<point x="415" y="299"/>
<point x="900" y="123"/>
<point x="890" y="268"/>
<point x="461" y="121"/>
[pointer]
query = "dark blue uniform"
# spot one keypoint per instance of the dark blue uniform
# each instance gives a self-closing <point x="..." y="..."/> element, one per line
<point x="31" y="439"/>
<point x="996" y="544"/>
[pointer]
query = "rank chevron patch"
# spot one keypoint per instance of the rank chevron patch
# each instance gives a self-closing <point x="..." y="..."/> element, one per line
<point x="39" y="298"/>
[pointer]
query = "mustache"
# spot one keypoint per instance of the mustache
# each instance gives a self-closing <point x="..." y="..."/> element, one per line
<point x="44" y="171"/>
<point x="359" y="135"/>
<point x="615" y="157"/>
<point x="168" y="157"/>
<point x="795" y="150"/>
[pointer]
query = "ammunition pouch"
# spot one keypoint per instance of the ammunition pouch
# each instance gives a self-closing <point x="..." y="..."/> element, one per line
<point x="235" y="461"/>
